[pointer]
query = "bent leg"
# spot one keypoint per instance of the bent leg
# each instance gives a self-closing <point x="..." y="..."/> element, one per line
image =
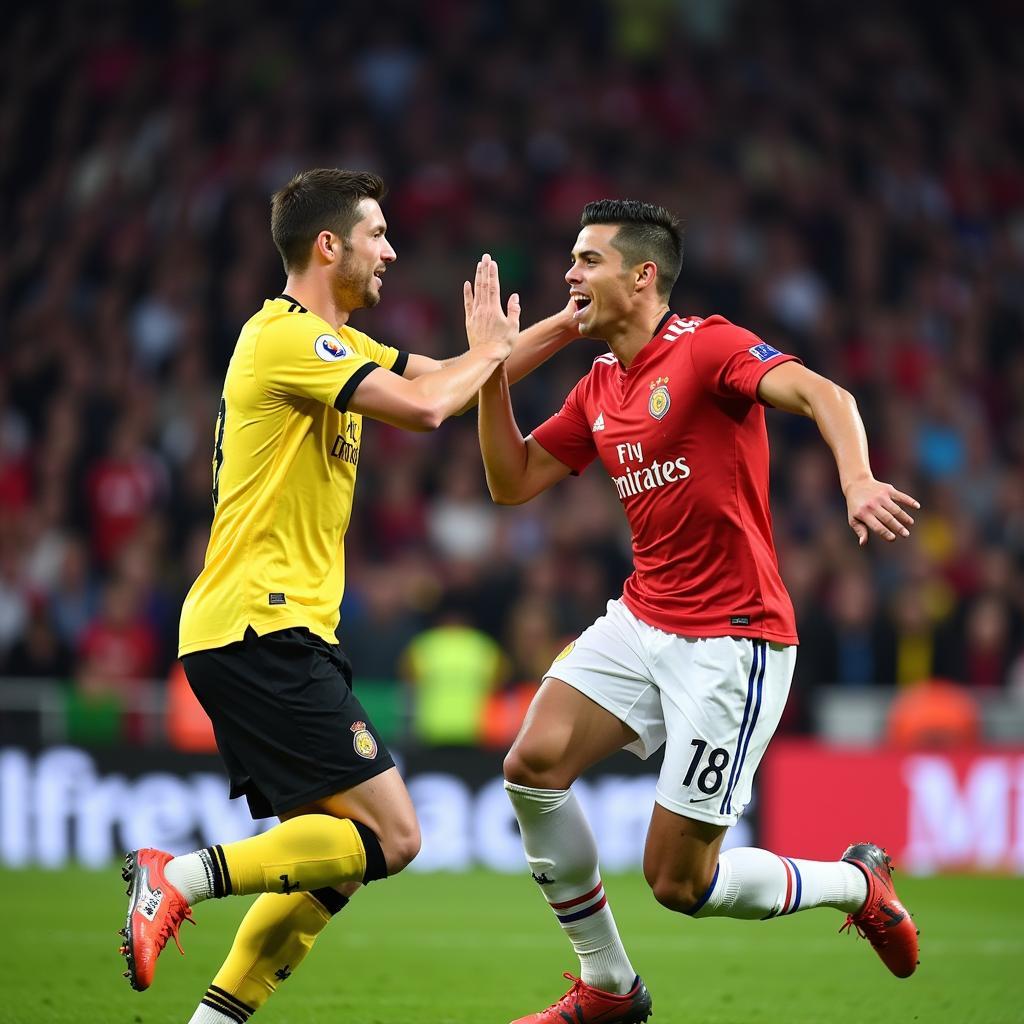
<point x="273" y="939"/>
<point x="564" y="734"/>
<point x="681" y="858"/>
<point x="357" y="835"/>
<point x="384" y="806"/>
<point x="686" y="873"/>
<point x="280" y="928"/>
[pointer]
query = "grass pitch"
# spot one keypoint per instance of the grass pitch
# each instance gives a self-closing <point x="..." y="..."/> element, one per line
<point x="483" y="948"/>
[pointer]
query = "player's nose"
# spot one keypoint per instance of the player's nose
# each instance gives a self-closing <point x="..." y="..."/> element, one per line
<point x="388" y="254"/>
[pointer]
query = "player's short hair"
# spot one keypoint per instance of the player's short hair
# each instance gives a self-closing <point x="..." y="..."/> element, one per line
<point x="323" y="199"/>
<point x="646" y="232"/>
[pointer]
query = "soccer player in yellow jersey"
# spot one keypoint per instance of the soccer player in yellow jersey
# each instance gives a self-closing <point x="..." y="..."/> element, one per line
<point x="258" y="627"/>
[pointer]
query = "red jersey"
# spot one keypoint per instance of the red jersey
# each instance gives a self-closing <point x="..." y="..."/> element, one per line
<point x="682" y="434"/>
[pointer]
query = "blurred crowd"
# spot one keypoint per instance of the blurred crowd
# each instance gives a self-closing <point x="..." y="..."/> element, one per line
<point x="852" y="185"/>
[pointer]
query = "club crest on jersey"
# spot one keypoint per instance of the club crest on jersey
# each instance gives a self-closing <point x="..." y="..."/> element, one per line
<point x="365" y="745"/>
<point x="660" y="400"/>
<point x="565" y="651"/>
<point x="328" y="348"/>
<point x="764" y="352"/>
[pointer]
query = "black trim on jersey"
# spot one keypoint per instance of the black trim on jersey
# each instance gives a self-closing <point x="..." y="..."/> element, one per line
<point x="401" y="363"/>
<point x="345" y="394"/>
<point x="661" y="325"/>
<point x="296" y="306"/>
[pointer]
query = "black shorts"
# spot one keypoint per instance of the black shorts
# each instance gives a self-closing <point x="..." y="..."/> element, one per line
<point x="288" y="726"/>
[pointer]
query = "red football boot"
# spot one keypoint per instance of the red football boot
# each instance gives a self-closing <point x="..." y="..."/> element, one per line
<point x="584" y="1004"/>
<point x="155" y="912"/>
<point x="883" y="920"/>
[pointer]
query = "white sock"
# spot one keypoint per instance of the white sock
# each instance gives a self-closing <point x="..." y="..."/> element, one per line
<point x="208" y="1015"/>
<point x="192" y="875"/>
<point x="562" y="855"/>
<point x="755" y="885"/>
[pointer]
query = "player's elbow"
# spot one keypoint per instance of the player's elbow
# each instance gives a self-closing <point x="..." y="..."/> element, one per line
<point x="429" y="416"/>
<point x="824" y="394"/>
<point x="504" y="493"/>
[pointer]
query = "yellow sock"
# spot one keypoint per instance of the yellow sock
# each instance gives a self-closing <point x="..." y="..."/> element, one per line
<point x="272" y="940"/>
<point x="311" y="851"/>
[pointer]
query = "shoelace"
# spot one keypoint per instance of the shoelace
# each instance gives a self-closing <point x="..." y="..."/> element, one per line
<point x="869" y="927"/>
<point x="171" y="927"/>
<point x="577" y="987"/>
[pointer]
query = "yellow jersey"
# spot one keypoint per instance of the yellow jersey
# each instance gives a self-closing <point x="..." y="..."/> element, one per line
<point x="284" y="473"/>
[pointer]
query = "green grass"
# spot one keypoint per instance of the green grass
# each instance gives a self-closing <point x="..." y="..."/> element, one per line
<point x="482" y="948"/>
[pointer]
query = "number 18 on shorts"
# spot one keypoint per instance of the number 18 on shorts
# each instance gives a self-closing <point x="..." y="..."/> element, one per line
<point x="714" y="702"/>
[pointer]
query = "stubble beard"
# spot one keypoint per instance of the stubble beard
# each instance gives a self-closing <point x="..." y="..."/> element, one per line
<point x="353" y="292"/>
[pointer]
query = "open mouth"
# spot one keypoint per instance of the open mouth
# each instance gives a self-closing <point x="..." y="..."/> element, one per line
<point x="581" y="301"/>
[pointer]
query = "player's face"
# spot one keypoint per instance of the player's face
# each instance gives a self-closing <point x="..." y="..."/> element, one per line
<point x="367" y="254"/>
<point x="600" y="286"/>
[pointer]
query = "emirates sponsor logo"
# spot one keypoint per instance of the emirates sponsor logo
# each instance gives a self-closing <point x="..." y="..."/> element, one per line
<point x="640" y="478"/>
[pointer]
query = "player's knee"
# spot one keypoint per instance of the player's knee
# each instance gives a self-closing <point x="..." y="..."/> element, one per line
<point x="678" y="894"/>
<point x="401" y="844"/>
<point x="529" y="765"/>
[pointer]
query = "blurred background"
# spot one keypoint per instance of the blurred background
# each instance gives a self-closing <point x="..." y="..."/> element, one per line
<point x="852" y="184"/>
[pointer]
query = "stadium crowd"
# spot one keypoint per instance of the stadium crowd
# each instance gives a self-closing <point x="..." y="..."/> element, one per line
<point x="852" y="184"/>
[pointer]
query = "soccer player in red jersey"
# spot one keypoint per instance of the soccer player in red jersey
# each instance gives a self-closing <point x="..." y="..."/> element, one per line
<point x="698" y="652"/>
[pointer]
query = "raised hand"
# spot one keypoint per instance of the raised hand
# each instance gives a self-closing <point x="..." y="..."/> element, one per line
<point x="485" y="320"/>
<point x="874" y="507"/>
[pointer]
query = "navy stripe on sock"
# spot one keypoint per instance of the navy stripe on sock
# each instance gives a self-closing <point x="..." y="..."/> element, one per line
<point x="579" y="915"/>
<point x="743" y="726"/>
<point x="707" y="893"/>
<point x="799" y="887"/>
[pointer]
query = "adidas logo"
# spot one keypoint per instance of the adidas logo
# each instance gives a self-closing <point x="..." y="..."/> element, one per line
<point x="598" y="423"/>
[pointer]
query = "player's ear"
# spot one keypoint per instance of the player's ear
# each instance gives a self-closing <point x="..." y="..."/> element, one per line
<point x="328" y="246"/>
<point x="646" y="275"/>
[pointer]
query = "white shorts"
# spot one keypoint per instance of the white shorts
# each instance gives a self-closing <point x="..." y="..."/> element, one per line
<point x="714" y="702"/>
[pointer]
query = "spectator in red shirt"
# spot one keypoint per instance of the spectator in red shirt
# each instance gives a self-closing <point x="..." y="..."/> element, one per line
<point x="117" y="654"/>
<point x="121" y="489"/>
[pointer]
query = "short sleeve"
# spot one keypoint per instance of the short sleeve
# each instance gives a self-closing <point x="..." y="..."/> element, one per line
<point x="298" y="356"/>
<point x="568" y="435"/>
<point x="730" y="361"/>
<point x="384" y="356"/>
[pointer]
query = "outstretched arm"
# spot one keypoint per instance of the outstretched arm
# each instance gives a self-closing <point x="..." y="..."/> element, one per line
<point x="424" y="403"/>
<point x="534" y="346"/>
<point x="517" y="468"/>
<point x="872" y="505"/>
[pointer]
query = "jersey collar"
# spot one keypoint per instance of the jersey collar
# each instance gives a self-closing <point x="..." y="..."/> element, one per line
<point x="298" y="307"/>
<point x="645" y="353"/>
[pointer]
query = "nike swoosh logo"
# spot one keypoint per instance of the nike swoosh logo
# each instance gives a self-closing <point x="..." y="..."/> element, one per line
<point x="703" y="799"/>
